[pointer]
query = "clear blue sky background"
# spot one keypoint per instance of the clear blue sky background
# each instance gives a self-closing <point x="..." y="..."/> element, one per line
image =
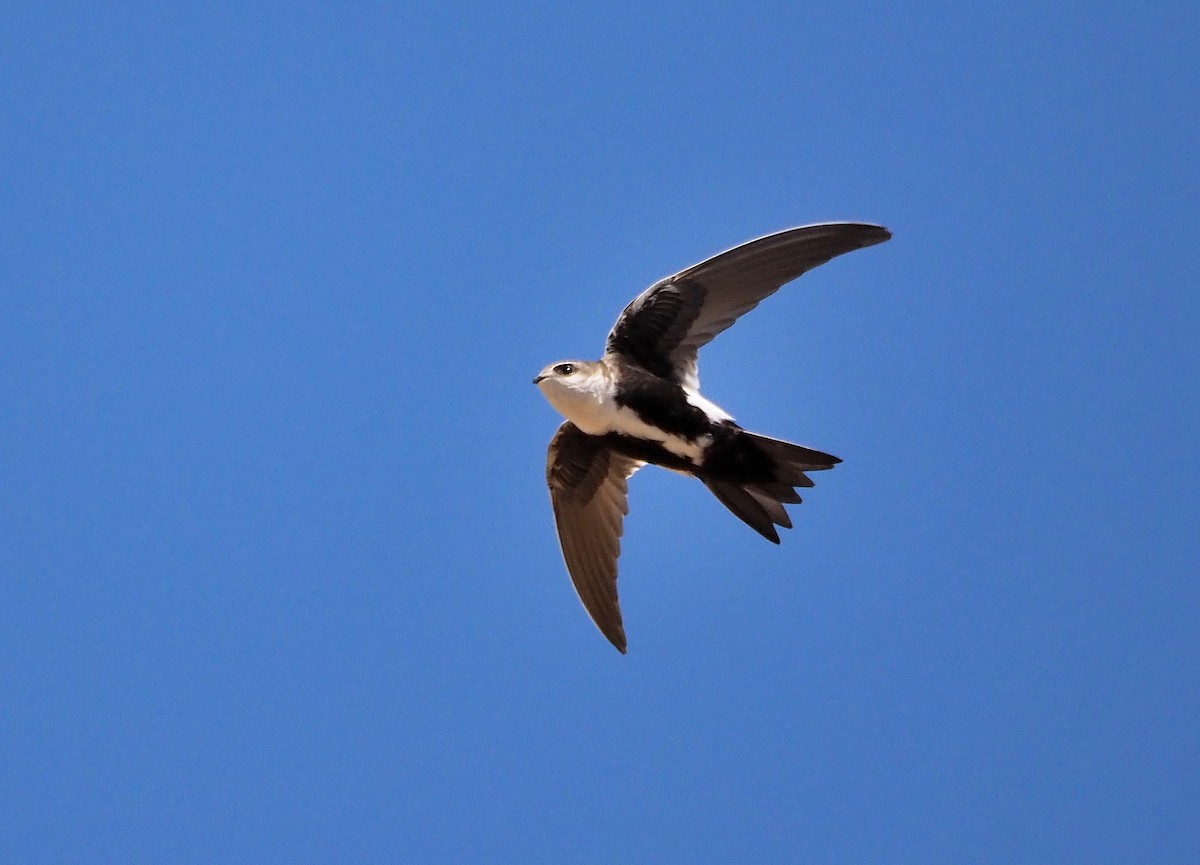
<point x="278" y="577"/>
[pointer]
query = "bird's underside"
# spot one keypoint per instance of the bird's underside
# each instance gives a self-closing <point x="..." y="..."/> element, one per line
<point x="640" y="404"/>
<point x="752" y="475"/>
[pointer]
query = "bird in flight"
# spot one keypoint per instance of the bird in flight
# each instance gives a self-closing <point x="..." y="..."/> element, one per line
<point x="640" y="403"/>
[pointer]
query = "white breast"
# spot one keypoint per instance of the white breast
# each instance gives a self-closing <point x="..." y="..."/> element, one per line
<point x="589" y="404"/>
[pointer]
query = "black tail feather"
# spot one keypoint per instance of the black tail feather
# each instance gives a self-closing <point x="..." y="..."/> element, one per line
<point x="759" y="503"/>
<point x="793" y="456"/>
<point x="744" y="506"/>
<point x="772" y="505"/>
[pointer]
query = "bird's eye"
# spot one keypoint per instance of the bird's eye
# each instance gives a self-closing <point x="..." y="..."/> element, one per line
<point x="565" y="368"/>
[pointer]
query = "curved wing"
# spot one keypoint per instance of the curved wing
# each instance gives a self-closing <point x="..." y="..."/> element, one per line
<point x="662" y="329"/>
<point x="588" y="493"/>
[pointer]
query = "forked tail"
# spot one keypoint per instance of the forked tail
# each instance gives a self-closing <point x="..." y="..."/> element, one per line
<point x="757" y="497"/>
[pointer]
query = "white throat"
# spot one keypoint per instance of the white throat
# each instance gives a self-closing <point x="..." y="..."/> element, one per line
<point x="584" y="399"/>
<point x="587" y="399"/>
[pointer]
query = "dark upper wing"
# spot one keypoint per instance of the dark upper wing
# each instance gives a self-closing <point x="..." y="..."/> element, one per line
<point x="588" y="492"/>
<point x="664" y="326"/>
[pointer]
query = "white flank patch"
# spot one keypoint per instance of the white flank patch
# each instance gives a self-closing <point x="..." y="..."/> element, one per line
<point x="586" y="399"/>
<point x="715" y="413"/>
<point x="626" y="421"/>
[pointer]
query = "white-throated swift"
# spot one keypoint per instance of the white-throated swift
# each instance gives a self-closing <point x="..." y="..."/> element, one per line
<point x="640" y="403"/>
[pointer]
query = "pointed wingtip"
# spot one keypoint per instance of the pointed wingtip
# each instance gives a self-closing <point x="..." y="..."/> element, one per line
<point x="875" y="233"/>
<point x="613" y="630"/>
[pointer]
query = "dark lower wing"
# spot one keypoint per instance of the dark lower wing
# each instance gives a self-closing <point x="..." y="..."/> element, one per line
<point x="587" y="481"/>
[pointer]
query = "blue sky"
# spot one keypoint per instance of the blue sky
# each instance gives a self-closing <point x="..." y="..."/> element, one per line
<point x="280" y="580"/>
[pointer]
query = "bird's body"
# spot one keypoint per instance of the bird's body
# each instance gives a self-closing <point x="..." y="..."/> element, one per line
<point x="641" y="403"/>
<point x="614" y="396"/>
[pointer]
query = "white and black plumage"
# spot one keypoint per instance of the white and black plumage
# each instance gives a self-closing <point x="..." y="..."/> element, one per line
<point x="641" y="403"/>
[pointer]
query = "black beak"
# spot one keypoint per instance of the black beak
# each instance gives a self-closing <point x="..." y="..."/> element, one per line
<point x="539" y="378"/>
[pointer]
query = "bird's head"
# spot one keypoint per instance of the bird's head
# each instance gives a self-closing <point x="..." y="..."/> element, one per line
<point x="576" y="388"/>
